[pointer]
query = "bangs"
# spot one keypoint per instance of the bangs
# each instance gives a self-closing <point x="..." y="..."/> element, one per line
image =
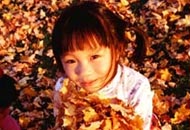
<point x="80" y="40"/>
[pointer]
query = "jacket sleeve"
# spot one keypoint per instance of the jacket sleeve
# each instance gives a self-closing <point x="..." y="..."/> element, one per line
<point x="141" y="98"/>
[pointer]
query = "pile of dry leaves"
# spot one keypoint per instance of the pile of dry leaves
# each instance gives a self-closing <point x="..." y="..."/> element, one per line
<point x="79" y="110"/>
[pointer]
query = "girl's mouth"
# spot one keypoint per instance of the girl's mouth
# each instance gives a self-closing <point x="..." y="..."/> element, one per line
<point x="87" y="84"/>
<point x="92" y="85"/>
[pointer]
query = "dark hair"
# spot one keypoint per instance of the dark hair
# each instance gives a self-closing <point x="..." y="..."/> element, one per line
<point x="8" y="92"/>
<point x="82" y="22"/>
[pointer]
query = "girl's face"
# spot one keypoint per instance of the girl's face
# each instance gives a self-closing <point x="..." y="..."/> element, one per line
<point x="88" y="68"/>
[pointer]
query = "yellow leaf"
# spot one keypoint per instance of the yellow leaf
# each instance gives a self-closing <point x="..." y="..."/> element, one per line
<point x="70" y="109"/>
<point x="42" y="14"/>
<point x="165" y="74"/>
<point x="149" y="51"/>
<point x="93" y="126"/>
<point x="181" y="114"/>
<point x="166" y="127"/>
<point x="24" y="121"/>
<point x="107" y="124"/>
<point x="124" y="2"/>
<point x="160" y="106"/>
<point x="41" y="71"/>
<point x="184" y="22"/>
<point x="186" y="99"/>
<point x="64" y="89"/>
<point x="7" y="16"/>
<point x="174" y="17"/>
<point x="2" y="41"/>
<point x="67" y="121"/>
<point x="89" y="114"/>
<point x="165" y="12"/>
<point x="6" y="2"/>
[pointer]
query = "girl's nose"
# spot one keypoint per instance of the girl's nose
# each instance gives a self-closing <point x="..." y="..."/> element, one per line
<point x="83" y="69"/>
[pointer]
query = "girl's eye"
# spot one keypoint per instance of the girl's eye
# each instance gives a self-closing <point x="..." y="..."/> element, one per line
<point x="70" y="61"/>
<point x="94" y="57"/>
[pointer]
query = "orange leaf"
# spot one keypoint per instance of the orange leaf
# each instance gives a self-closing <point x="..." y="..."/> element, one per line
<point x="30" y="91"/>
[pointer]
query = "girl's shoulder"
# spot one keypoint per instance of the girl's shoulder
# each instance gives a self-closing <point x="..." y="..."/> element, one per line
<point x="133" y="79"/>
<point x="132" y="73"/>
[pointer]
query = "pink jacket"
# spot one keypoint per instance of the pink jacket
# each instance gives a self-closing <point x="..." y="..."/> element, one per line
<point x="9" y="123"/>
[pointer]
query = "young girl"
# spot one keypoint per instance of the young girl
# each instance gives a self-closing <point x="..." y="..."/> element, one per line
<point x="89" y="42"/>
<point x="8" y="96"/>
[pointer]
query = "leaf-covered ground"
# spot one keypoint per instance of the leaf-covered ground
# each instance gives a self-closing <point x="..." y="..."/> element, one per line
<point x="25" y="54"/>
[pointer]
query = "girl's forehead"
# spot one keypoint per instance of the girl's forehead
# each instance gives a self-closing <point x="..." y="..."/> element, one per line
<point x="87" y="51"/>
<point x="89" y="42"/>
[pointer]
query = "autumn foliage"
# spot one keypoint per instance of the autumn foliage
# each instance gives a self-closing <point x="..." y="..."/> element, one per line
<point x="78" y="110"/>
<point x="26" y="55"/>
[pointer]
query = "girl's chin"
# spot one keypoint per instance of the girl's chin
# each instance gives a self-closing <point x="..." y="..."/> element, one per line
<point x="92" y="86"/>
<point x="92" y="89"/>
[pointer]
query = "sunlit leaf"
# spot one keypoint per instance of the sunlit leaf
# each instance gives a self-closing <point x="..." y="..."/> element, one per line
<point x="165" y="74"/>
<point x="29" y="91"/>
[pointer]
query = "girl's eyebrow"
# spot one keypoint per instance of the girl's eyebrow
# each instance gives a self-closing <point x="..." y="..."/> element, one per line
<point x="66" y="54"/>
<point x="98" y="49"/>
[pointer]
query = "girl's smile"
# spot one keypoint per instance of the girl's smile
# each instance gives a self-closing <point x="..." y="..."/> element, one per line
<point x="87" y="83"/>
<point x="88" y="68"/>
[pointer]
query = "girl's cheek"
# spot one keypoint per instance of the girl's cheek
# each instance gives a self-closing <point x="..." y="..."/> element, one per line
<point x="69" y="69"/>
<point x="66" y="66"/>
<point x="100" y="65"/>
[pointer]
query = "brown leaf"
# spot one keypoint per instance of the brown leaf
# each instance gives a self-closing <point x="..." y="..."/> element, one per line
<point x="29" y="91"/>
